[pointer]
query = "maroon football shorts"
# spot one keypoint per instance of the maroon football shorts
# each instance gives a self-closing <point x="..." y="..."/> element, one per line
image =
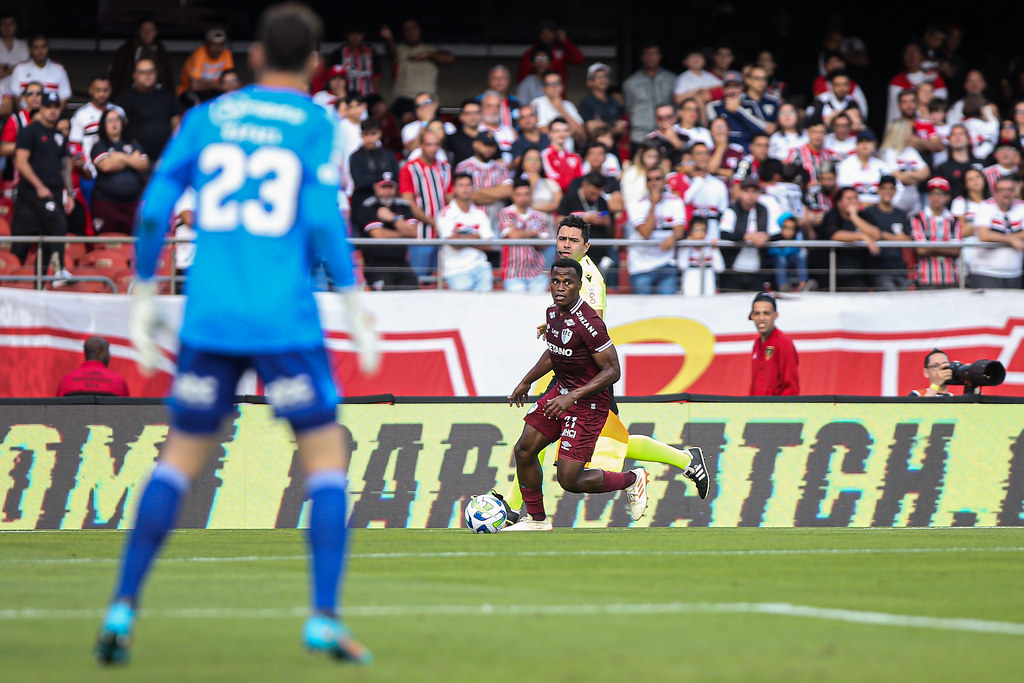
<point x="578" y="427"/>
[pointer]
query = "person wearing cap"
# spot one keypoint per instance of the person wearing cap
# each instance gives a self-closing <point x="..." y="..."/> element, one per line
<point x="863" y="169"/>
<point x="774" y="365"/>
<point x="936" y="266"/>
<point x="45" y="195"/>
<point x="561" y="50"/>
<point x="648" y="87"/>
<point x="789" y="260"/>
<point x="203" y="67"/>
<point x="1000" y="220"/>
<point x="38" y="67"/>
<point x="384" y="215"/>
<point x="886" y="269"/>
<point x="358" y="59"/>
<point x="598" y="106"/>
<point x="694" y="82"/>
<point x="729" y="107"/>
<point x="1007" y="158"/>
<point x="750" y="222"/>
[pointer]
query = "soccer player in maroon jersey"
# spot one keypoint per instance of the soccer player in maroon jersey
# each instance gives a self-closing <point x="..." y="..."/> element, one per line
<point x="575" y="408"/>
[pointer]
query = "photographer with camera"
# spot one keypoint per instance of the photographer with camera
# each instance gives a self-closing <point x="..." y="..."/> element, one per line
<point x="943" y="373"/>
<point x="938" y="373"/>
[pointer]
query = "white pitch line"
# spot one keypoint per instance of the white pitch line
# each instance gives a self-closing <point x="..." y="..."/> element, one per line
<point x="765" y="608"/>
<point x="535" y="553"/>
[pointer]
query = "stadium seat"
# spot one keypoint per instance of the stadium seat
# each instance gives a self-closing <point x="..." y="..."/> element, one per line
<point x="8" y="259"/>
<point x="127" y="248"/>
<point x="74" y="252"/>
<point x="87" y="285"/>
<point x="21" y="271"/>
<point x="123" y="277"/>
<point x="105" y="258"/>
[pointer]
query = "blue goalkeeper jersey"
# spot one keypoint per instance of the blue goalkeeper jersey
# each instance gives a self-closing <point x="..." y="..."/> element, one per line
<point x="265" y="166"/>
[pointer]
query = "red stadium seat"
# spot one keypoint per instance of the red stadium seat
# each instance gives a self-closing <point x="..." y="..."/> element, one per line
<point x="87" y="285"/>
<point x="8" y="259"/>
<point x="105" y="258"/>
<point x="20" y="270"/>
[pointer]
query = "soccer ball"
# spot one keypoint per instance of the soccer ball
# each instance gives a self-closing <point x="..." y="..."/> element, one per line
<point x="486" y="514"/>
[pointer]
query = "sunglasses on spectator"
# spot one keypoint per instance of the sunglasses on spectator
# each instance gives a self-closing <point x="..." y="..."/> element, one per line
<point x="425" y="103"/>
<point x="32" y="93"/>
<point x="655" y="177"/>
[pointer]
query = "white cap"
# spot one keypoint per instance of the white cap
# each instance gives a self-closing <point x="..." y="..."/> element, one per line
<point x="597" y="66"/>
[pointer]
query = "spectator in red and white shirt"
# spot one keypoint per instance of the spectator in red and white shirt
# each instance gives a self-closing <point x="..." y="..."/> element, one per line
<point x="359" y="61"/>
<point x="426" y="183"/>
<point x="863" y="169"/>
<point x="836" y="99"/>
<point x="1007" y="157"/>
<point x="1000" y="219"/>
<point x="524" y="268"/>
<point x="85" y="122"/>
<point x="810" y="156"/>
<point x="492" y="181"/>
<point x="32" y="97"/>
<point x="909" y="79"/>
<point x="560" y="165"/>
<point x="834" y="62"/>
<point x="39" y="67"/>
<point x="936" y="266"/>
<point x="842" y="140"/>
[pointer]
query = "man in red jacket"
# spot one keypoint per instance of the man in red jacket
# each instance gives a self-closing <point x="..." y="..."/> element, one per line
<point x="773" y="367"/>
<point x="93" y="376"/>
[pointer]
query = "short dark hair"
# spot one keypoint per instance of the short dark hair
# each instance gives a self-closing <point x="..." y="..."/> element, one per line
<point x="458" y="176"/>
<point x="468" y="101"/>
<point x="595" y="178"/>
<point x="557" y="119"/>
<point x="572" y="221"/>
<point x="770" y="168"/>
<point x="369" y="125"/>
<point x="565" y="262"/>
<point x="290" y="33"/>
<point x="520" y="182"/>
<point x="931" y="353"/>
<point x="836" y="73"/>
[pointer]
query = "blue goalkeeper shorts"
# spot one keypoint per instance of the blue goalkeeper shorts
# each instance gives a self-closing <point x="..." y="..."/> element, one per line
<point x="298" y="384"/>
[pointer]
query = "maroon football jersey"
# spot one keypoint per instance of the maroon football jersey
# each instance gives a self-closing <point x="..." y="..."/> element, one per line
<point x="572" y="337"/>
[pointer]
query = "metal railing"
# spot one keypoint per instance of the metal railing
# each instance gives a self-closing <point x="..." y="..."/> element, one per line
<point x="174" y="278"/>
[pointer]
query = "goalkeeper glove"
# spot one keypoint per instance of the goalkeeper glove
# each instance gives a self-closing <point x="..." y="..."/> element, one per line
<point x="364" y="333"/>
<point x="145" y="321"/>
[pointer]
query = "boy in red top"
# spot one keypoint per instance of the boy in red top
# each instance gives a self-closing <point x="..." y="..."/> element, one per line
<point x="93" y="376"/>
<point x="773" y="367"/>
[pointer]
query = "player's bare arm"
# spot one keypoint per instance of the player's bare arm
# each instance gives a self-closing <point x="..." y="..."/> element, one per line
<point x="608" y="362"/>
<point x="520" y="394"/>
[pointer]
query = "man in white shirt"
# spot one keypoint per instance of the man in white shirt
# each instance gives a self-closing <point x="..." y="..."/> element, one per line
<point x="695" y="82"/>
<point x="39" y="67"/>
<point x="465" y="268"/>
<point x="12" y="51"/>
<point x="85" y="122"/>
<point x="1001" y="219"/>
<point x="707" y="196"/>
<point x="660" y="218"/>
<point x="862" y="170"/>
<point x="552" y="105"/>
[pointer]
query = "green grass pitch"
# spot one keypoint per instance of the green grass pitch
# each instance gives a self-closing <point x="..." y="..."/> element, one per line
<point x="680" y="604"/>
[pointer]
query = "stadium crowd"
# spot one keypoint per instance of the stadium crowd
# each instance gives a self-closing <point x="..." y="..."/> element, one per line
<point x="717" y="152"/>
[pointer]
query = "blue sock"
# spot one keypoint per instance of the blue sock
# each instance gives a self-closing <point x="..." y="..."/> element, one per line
<point x="327" y="536"/>
<point x="157" y="513"/>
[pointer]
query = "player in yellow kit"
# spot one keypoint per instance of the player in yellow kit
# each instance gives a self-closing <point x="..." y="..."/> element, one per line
<point x="615" y="443"/>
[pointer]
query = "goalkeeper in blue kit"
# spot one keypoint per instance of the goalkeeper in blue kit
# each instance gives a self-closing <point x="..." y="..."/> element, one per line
<point x="264" y="163"/>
